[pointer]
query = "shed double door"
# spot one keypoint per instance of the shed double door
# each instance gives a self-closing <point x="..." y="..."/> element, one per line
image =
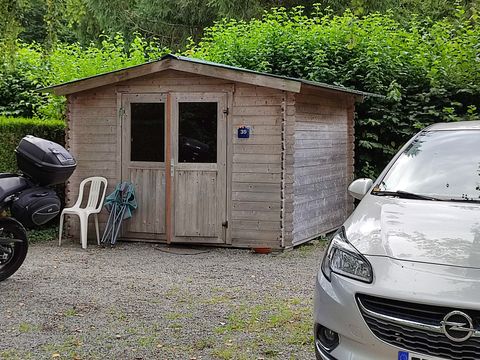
<point x="174" y="152"/>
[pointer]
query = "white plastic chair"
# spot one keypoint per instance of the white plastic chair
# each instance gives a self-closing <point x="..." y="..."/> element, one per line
<point x="94" y="206"/>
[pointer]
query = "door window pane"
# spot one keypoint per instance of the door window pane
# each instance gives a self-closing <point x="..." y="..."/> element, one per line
<point x="197" y="132"/>
<point x="147" y="132"/>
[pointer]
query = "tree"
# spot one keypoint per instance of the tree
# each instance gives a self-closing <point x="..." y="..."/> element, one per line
<point x="39" y="21"/>
<point x="10" y="28"/>
<point x="172" y="22"/>
<point x="428" y="70"/>
<point x="403" y="9"/>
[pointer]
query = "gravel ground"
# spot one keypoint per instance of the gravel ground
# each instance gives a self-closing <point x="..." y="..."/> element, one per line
<point x="147" y="301"/>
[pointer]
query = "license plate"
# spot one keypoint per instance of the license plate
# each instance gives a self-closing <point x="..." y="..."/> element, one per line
<point x="405" y="355"/>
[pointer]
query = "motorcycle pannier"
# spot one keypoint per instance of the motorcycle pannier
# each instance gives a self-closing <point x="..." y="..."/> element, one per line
<point x="36" y="206"/>
<point x="45" y="162"/>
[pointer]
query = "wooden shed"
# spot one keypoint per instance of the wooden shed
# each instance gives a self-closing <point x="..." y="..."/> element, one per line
<point x="218" y="154"/>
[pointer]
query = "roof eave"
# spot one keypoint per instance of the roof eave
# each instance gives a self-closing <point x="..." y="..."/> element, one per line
<point x="357" y="94"/>
<point x="237" y="76"/>
<point x="204" y="68"/>
<point x="174" y="64"/>
<point x="104" y="79"/>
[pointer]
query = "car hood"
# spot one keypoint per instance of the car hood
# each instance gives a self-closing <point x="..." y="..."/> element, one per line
<point x="446" y="233"/>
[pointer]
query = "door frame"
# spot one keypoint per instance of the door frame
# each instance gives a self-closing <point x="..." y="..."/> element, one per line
<point x="169" y="97"/>
<point x="171" y="162"/>
<point x="127" y="99"/>
<point x="125" y="150"/>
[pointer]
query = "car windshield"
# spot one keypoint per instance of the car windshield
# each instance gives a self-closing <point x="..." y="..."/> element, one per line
<point x="441" y="164"/>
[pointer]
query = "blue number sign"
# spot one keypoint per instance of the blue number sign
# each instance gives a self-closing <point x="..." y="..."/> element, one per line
<point x="243" y="132"/>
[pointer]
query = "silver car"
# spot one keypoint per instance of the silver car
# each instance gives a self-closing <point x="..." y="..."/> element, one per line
<point x="401" y="278"/>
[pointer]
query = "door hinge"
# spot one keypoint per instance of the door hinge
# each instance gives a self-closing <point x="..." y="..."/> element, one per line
<point x="122" y="113"/>
<point x="225" y="111"/>
<point x="225" y="224"/>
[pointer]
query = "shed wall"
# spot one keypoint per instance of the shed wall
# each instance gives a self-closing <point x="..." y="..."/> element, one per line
<point x="322" y="163"/>
<point x="257" y="167"/>
<point x="288" y="169"/>
<point x="91" y="137"/>
<point x="253" y="165"/>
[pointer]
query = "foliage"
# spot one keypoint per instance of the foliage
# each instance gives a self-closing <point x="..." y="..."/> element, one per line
<point x="9" y="26"/>
<point x="402" y="9"/>
<point x="44" y="233"/>
<point x="14" y="129"/>
<point x="31" y="68"/>
<point x="17" y="97"/>
<point x="428" y="70"/>
<point x="41" y="21"/>
<point x="171" y="22"/>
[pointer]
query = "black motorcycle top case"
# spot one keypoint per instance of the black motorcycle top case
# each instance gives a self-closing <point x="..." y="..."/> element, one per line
<point x="44" y="162"/>
<point x="36" y="206"/>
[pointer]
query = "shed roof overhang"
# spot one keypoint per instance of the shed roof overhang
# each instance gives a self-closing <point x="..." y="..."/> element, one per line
<point x="200" y="67"/>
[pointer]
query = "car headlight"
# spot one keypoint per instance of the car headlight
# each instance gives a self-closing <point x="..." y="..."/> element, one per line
<point x="343" y="259"/>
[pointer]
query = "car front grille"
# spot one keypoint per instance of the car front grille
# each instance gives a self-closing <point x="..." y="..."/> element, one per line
<point x="418" y="327"/>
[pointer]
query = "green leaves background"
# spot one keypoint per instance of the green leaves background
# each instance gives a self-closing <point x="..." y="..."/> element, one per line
<point x="428" y="70"/>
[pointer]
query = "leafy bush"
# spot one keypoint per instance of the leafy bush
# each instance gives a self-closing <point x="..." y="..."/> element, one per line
<point x="16" y="96"/>
<point x="44" y="233"/>
<point x="428" y="71"/>
<point x="14" y="129"/>
<point x="31" y="68"/>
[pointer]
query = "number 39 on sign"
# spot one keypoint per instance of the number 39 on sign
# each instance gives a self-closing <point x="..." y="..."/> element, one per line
<point x="243" y="132"/>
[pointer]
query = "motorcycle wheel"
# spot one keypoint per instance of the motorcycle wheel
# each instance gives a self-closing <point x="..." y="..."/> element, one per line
<point x="13" y="246"/>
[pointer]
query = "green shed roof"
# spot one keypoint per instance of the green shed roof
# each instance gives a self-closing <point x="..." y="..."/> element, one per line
<point x="198" y="66"/>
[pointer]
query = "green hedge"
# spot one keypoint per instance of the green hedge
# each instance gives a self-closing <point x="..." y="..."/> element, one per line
<point x="428" y="70"/>
<point x="32" y="68"/>
<point x="12" y="130"/>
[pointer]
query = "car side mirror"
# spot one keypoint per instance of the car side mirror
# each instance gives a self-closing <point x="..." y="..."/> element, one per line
<point x="358" y="188"/>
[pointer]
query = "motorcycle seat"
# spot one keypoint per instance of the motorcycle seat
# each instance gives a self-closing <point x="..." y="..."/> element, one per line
<point x="10" y="185"/>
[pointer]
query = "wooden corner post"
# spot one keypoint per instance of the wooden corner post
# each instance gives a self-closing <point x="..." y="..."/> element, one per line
<point x="168" y="169"/>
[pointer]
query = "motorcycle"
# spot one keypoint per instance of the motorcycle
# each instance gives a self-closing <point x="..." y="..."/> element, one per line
<point x="29" y="198"/>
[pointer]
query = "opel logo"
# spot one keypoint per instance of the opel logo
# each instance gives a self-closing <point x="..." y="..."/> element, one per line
<point x="458" y="326"/>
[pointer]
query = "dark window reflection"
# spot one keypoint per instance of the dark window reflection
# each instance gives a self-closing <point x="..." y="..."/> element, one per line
<point x="444" y="164"/>
<point x="197" y="132"/>
<point x="148" y="132"/>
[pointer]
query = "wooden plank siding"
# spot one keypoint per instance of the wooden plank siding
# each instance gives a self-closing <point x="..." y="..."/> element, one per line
<point x="322" y="163"/>
<point x="288" y="148"/>
<point x="91" y="137"/>
<point x="256" y="167"/>
<point x="255" y="163"/>
<point x="95" y="128"/>
<point x="286" y="184"/>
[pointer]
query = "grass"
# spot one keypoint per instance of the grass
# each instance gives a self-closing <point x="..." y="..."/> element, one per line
<point x="262" y="329"/>
<point x="69" y="348"/>
<point x="148" y="341"/>
<point x="14" y="355"/>
<point x="231" y="352"/>
<point x="42" y="234"/>
<point x="244" y="325"/>
<point x="207" y="343"/>
<point x="117" y="314"/>
<point x="26" y="328"/>
<point x="218" y="299"/>
<point x="178" y="316"/>
<point x="70" y="312"/>
<point x="256" y="331"/>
